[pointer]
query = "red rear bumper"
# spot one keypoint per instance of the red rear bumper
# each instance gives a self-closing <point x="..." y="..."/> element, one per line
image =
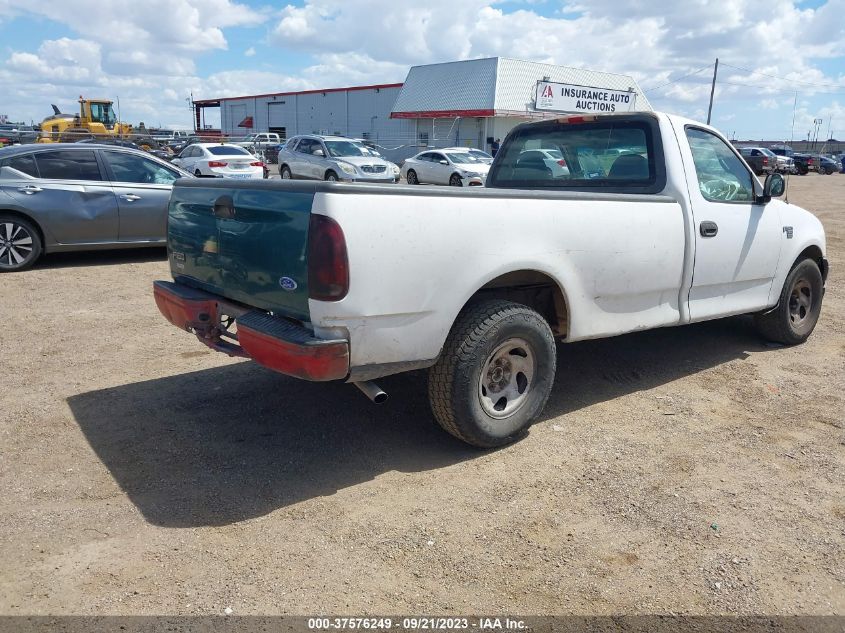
<point x="274" y="342"/>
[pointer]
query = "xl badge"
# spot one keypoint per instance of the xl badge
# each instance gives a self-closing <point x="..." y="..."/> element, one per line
<point x="287" y="283"/>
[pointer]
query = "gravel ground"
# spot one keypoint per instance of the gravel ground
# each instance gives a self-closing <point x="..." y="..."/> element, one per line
<point x="690" y="470"/>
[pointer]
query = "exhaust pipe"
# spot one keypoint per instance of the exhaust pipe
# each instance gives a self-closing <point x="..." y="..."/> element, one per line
<point x="372" y="391"/>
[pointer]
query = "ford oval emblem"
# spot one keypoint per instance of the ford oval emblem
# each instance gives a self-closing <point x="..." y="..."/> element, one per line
<point x="287" y="283"/>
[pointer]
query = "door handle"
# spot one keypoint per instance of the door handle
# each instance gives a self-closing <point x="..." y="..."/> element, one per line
<point x="30" y="189"/>
<point x="130" y="197"/>
<point x="708" y="229"/>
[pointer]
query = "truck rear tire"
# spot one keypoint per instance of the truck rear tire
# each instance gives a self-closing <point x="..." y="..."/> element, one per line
<point x="793" y="319"/>
<point x="495" y="373"/>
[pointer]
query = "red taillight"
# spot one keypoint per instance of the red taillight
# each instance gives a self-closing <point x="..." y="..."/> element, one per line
<point x="328" y="263"/>
<point x="765" y="161"/>
<point x="809" y="161"/>
<point x="216" y="163"/>
<point x="562" y="162"/>
<point x="257" y="164"/>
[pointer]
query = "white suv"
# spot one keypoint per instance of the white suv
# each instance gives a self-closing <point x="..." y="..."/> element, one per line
<point x="333" y="158"/>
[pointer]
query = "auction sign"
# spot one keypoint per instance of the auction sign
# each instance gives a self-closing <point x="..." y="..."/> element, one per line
<point x="570" y="98"/>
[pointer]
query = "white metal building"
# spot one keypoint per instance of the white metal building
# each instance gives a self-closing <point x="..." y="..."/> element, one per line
<point x="467" y="103"/>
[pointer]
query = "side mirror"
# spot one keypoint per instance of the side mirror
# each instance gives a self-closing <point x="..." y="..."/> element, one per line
<point x="318" y="152"/>
<point x="444" y="162"/>
<point x="773" y="187"/>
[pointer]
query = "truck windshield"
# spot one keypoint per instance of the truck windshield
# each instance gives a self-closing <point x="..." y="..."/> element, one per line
<point x="346" y="148"/>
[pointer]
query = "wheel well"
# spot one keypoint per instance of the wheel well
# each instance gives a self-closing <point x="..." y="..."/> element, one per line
<point x="815" y="253"/>
<point x="533" y="289"/>
<point x="24" y="216"/>
<point x="329" y="171"/>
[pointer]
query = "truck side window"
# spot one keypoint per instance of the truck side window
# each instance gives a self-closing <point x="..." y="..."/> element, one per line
<point x="721" y="175"/>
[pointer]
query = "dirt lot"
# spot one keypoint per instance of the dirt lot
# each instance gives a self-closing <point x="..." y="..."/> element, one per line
<point x="690" y="470"/>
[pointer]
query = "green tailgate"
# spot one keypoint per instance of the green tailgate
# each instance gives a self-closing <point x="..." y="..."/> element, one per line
<point x="244" y="240"/>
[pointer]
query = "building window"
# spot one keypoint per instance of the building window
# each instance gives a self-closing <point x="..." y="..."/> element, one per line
<point x="423" y="139"/>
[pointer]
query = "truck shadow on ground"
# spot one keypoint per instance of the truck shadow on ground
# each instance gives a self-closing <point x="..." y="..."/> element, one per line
<point x="222" y="445"/>
<point x="103" y="258"/>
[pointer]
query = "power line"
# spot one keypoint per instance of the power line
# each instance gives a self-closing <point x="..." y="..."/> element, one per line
<point x="795" y="81"/>
<point x="770" y="89"/>
<point x="755" y="86"/>
<point x="695" y="72"/>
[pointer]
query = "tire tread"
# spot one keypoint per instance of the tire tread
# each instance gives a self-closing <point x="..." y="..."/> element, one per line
<point x="469" y="330"/>
<point x="771" y="325"/>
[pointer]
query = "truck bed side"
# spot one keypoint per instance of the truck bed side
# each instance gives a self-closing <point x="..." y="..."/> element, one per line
<point x="421" y="255"/>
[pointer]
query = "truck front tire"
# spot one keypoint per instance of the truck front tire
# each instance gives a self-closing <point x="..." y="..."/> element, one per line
<point x="793" y="319"/>
<point x="495" y="373"/>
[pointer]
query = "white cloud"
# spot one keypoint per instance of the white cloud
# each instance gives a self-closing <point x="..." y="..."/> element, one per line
<point x="149" y="52"/>
<point x="189" y="25"/>
<point x="61" y="61"/>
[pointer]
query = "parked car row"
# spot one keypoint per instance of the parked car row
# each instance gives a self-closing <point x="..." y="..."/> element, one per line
<point x="11" y="134"/>
<point x="805" y="163"/>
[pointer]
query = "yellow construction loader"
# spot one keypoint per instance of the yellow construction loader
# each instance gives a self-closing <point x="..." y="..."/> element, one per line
<point x="96" y="120"/>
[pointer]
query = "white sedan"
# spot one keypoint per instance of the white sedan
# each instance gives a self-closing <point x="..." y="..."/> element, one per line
<point x="552" y="159"/>
<point x="220" y="160"/>
<point x="458" y="168"/>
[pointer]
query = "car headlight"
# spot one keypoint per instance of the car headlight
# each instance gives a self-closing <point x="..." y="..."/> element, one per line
<point x="347" y="168"/>
<point x="472" y="174"/>
<point x="395" y="170"/>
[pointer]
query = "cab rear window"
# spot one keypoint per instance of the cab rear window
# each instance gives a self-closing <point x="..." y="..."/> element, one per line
<point x="611" y="155"/>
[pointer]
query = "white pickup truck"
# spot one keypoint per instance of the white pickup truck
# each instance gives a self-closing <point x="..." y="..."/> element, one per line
<point x="260" y="140"/>
<point x="658" y="221"/>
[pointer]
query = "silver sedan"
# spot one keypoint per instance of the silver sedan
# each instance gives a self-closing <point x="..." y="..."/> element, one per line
<point x="73" y="197"/>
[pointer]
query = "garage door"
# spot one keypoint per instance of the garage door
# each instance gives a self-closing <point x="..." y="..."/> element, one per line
<point x="281" y="116"/>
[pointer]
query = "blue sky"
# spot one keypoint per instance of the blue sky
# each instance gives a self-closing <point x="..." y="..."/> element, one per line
<point x="154" y="54"/>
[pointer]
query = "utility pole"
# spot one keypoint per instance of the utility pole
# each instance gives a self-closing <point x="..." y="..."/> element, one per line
<point x="712" y="90"/>
<point x="817" y="123"/>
